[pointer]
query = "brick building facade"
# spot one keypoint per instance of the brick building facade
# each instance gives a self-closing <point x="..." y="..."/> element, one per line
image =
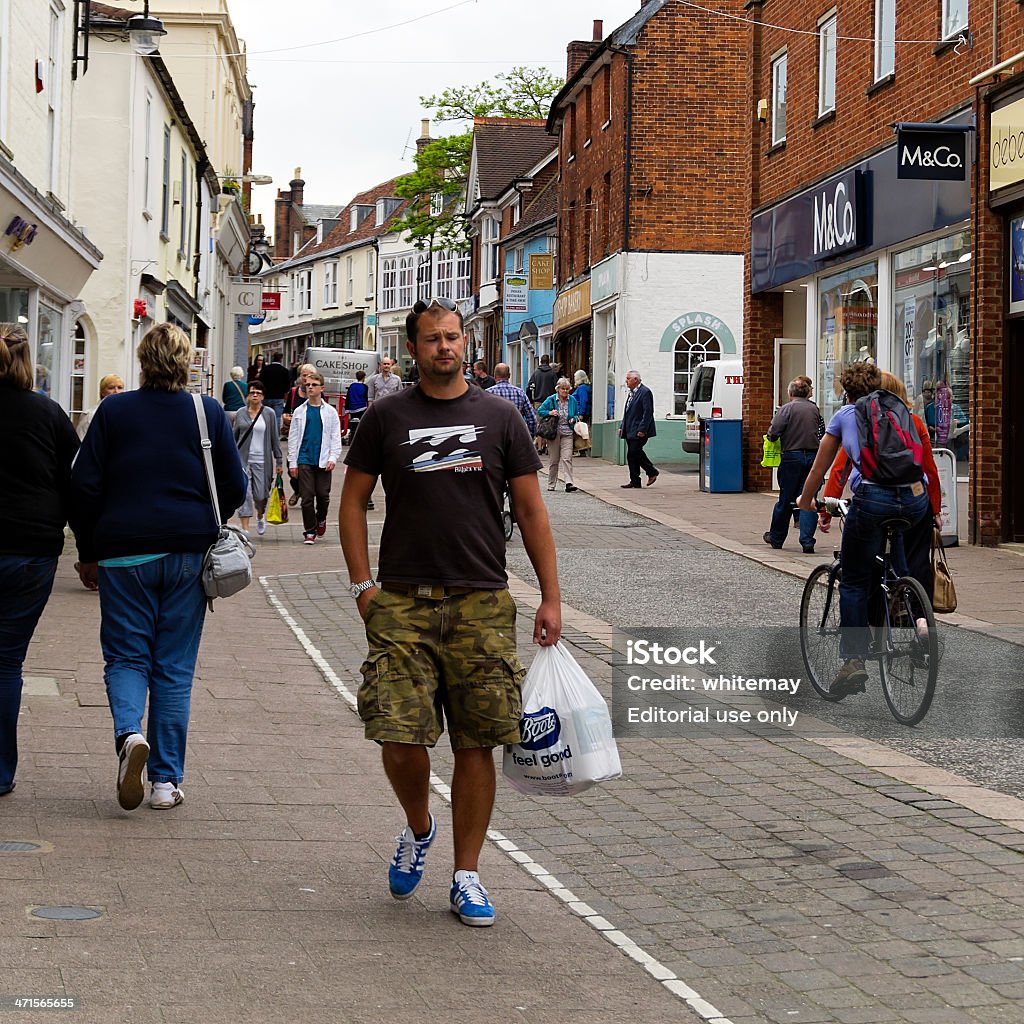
<point x="849" y="258"/>
<point x="652" y="149"/>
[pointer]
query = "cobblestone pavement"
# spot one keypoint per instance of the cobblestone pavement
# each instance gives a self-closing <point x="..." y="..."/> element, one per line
<point x="774" y="876"/>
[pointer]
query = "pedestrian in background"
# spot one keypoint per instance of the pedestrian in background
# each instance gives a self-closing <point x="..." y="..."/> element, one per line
<point x="583" y="392"/>
<point x="111" y="384"/>
<point x="140" y="509"/>
<point x="637" y="426"/>
<point x="259" y="447"/>
<point x="799" y="426"/>
<point x="383" y="383"/>
<point x="295" y="397"/>
<point x="255" y="370"/>
<point x="276" y="382"/>
<point x="562" y="406"/>
<point x="314" y="447"/>
<point x="542" y="381"/>
<point x="504" y="388"/>
<point x="235" y="392"/>
<point x="35" y="477"/>
<point x="481" y="378"/>
<point x="441" y="626"/>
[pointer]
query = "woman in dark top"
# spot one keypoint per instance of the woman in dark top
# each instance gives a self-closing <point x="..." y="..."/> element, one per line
<point x="255" y="369"/>
<point x="35" y="475"/>
<point x="143" y="521"/>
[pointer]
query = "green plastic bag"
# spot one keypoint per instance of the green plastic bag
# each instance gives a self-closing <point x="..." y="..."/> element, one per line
<point x="772" y="453"/>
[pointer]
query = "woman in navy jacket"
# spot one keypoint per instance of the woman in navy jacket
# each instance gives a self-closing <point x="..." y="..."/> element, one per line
<point x="35" y="478"/>
<point x="143" y="521"/>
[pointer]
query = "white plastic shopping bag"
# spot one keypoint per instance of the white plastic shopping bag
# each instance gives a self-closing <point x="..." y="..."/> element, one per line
<point x="567" y="744"/>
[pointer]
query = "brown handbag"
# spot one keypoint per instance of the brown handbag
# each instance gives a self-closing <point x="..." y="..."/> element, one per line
<point x="944" y="592"/>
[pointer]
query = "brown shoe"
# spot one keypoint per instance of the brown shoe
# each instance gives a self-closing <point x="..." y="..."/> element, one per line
<point x="849" y="679"/>
<point x="624" y="486"/>
<point x="652" y="479"/>
<point x="294" y="499"/>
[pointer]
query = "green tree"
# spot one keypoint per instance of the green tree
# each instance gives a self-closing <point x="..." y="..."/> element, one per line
<point x="432" y="219"/>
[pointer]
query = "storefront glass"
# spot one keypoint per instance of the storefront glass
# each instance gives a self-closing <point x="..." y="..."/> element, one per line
<point x="847" y="329"/>
<point x="931" y="295"/>
<point x="14" y="306"/>
<point x="48" y="351"/>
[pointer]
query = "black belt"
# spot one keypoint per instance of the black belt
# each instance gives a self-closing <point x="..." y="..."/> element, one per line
<point x="436" y="592"/>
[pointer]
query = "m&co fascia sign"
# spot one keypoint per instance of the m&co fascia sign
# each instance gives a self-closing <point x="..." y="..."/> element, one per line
<point x="837" y="212"/>
<point x="1006" y="145"/>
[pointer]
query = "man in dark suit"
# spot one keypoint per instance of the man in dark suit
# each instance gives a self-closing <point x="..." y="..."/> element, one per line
<point x="637" y="426"/>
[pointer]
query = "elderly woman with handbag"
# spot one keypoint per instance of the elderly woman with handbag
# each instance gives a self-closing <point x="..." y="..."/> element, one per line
<point x="142" y="516"/>
<point x="561" y="407"/>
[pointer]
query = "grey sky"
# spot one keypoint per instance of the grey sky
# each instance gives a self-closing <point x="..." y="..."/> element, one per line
<point x="348" y="112"/>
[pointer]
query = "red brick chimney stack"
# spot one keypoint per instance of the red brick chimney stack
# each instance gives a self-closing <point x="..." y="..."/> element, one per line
<point x="598" y="30"/>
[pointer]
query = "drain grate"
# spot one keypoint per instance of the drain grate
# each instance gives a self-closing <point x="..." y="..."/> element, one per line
<point x="10" y="846"/>
<point x="66" y="913"/>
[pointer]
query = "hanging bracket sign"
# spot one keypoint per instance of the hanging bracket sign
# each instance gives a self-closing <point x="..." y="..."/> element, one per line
<point x="932" y="152"/>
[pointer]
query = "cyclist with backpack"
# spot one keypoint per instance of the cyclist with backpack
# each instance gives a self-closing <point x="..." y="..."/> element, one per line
<point x="877" y="433"/>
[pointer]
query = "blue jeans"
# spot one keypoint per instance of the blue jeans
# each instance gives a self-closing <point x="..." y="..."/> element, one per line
<point x="277" y="404"/>
<point x="863" y="541"/>
<point x="152" y="621"/>
<point x="793" y="472"/>
<point x="25" y="585"/>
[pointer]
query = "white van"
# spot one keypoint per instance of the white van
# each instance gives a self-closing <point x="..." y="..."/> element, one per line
<point x="339" y="366"/>
<point x="716" y="393"/>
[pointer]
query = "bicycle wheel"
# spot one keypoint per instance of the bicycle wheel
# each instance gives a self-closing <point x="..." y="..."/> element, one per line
<point x="911" y="665"/>
<point x="819" y="628"/>
<point x="507" y="523"/>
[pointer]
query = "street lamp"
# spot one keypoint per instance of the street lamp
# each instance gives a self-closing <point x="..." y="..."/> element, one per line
<point x="252" y="179"/>
<point x="145" y="32"/>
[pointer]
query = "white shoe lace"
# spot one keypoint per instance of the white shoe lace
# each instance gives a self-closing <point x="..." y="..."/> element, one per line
<point x="411" y="851"/>
<point x="472" y="891"/>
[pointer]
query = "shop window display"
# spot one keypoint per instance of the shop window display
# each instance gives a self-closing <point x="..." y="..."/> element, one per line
<point x="931" y="293"/>
<point x="847" y="329"/>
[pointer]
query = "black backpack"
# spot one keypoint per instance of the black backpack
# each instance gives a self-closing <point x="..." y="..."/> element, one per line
<point x="890" y="449"/>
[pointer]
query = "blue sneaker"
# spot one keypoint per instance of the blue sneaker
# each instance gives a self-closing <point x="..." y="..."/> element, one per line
<point x="407" y="864"/>
<point x="469" y="900"/>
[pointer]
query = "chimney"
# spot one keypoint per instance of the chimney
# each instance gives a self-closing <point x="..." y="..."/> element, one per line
<point x="297" y="185"/>
<point x="579" y="51"/>
<point x="598" y="30"/>
<point x="424" y="140"/>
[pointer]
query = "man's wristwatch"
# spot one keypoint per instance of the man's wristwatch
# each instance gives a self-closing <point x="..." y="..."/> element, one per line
<point x="358" y="588"/>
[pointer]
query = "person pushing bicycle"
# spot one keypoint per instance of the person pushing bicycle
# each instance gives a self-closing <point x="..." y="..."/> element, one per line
<point x="888" y="483"/>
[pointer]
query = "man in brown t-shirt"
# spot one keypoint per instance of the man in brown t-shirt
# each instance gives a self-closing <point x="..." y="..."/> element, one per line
<point x="440" y="623"/>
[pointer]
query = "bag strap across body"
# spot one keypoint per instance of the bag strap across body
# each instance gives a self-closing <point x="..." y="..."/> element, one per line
<point x="245" y="436"/>
<point x="207" y="445"/>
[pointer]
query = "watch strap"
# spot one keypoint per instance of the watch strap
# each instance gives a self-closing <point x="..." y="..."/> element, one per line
<point x="358" y="588"/>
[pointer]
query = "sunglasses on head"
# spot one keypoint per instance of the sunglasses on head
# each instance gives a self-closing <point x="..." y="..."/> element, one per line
<point x="439" y="301"/>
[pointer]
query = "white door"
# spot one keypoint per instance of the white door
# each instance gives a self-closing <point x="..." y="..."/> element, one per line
<point x="790" y="362"/>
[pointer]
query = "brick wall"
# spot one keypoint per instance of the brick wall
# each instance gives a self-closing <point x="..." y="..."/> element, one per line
<point x="683" y="127"/>
<point x="930" y="81"/>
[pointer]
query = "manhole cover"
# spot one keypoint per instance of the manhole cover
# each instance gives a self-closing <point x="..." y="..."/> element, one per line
<point x="9" y="846"/>
<point x="66" y="913"/>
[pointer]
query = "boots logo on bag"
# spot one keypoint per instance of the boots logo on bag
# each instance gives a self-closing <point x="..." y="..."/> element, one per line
<point x="540" y="729"/>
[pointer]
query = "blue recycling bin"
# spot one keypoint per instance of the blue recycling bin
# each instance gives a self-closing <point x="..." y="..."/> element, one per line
<point x="722" y="471"/>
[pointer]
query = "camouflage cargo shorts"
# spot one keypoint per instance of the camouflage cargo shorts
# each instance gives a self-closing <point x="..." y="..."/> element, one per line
<point x="435" y="661"/>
